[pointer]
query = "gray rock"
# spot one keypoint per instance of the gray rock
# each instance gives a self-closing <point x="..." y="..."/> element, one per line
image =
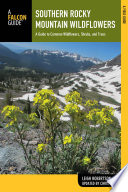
<point x="107" y="148"/>
<point x="12" y="155"/>
<point x="29" y="142"/>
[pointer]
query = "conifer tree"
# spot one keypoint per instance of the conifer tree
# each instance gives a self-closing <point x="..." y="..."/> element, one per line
<point x="8" y="98"/>
<point x="27" y="107"/>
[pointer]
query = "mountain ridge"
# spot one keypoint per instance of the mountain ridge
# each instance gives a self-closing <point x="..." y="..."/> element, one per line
<point x="48" y="61"/>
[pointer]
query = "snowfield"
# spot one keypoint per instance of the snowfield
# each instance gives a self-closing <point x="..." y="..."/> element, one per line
<point x="105" y="81"/>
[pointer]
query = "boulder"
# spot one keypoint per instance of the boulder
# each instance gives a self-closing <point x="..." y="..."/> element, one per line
<point x="12" y="156"/>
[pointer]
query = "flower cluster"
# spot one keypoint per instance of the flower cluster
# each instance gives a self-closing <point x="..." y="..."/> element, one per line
<point x="41" y="147"/>
<point x="74" y="139"/>
<point x="48" y="104"/>
<point x="72" y="108"/>
<point x="52" y="113"/>
<point x="33" y="118"/>
<point x="91" y="103"/>
<point x="109" y="111"/>
<point x="67" y="139"/>
<point x="92" y="114"/>
<point x="42" y="95"/>
<point x="86" y="160"/>
<point x="73" y="100"/>
<point x="73" y="97"/>
<point x="101" y="116"/>
<point x="11" y="112"/>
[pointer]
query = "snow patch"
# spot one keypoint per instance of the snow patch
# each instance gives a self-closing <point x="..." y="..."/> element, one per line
<point x="62" y="99"/>
<point x="25" y="97"/>
<point x="65" y="117"/>
<point x="46" y="87"/>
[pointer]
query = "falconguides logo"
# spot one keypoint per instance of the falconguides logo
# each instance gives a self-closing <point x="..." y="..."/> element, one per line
<point x="16" y="19"/>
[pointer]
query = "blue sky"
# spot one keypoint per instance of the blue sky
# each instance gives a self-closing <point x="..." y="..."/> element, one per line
<point x="101" y="50"/>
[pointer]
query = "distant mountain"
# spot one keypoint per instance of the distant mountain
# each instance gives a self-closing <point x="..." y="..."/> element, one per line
<point x="8" y="57"/>
<point x="48" y="61"/>
<point x="115" y="61"/>
<point x="5" y="52"/>
<point x="58" y="61"/>
<point x="63" y="54"/>
<point x="106" y="66"/>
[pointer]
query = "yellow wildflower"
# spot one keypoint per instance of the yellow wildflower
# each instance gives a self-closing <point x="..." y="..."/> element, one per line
<point x="42" y="95"/>
<point x="86" y="160"/>
<point x="47" y="103"/>
<point x="73" y="97"/>
<point x="33" y="118"/>
<point x="67" y="139"/>
<point x="41" y="147"/>
<point x="11" y="112"/>
<point x="72" y="108"/>
<point x="102" y="116"/>
<point x="91" y="103"/>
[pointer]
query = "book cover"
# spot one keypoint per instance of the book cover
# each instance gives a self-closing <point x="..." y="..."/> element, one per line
<point x="63" y="94"/>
